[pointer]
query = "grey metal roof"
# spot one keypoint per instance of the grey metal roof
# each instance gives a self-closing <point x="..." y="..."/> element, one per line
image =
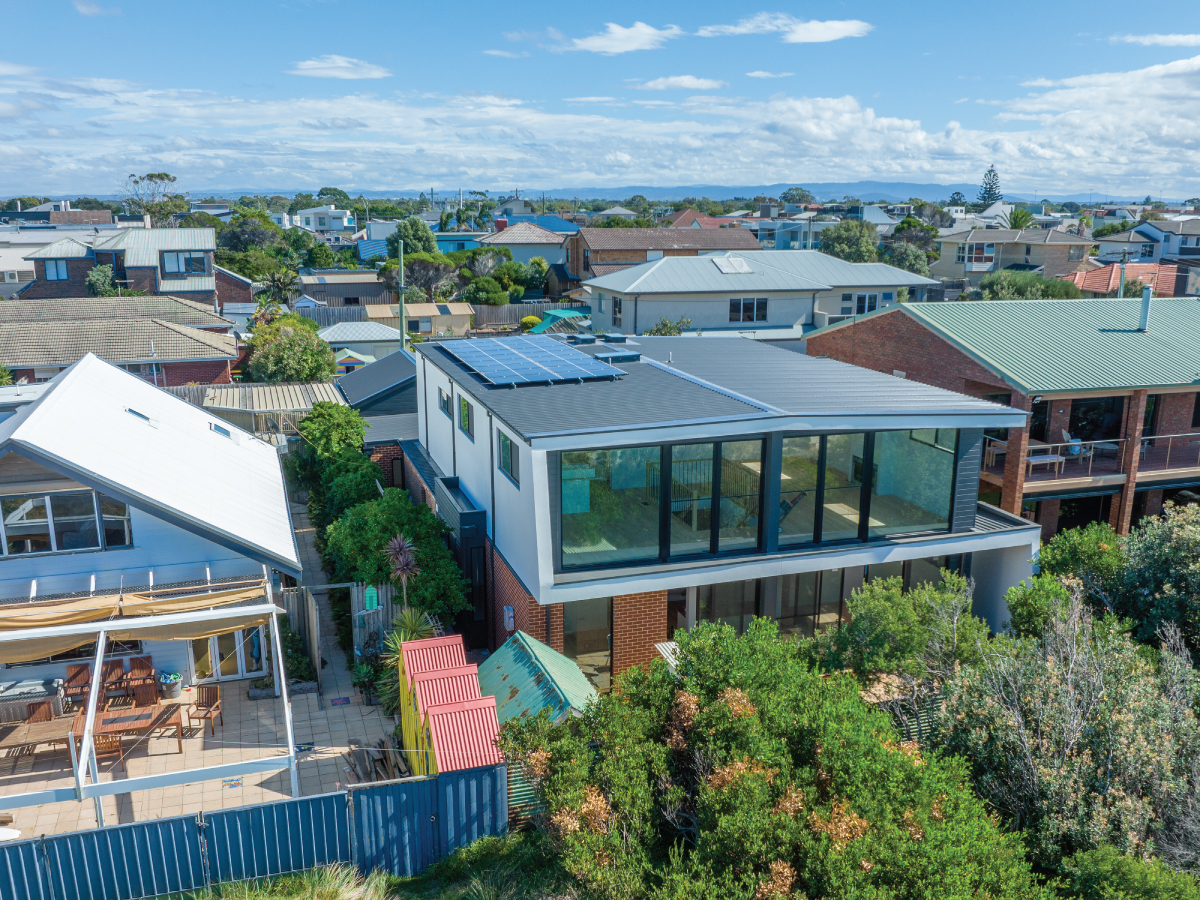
<point x="1012" y="236"/>
<point x="142" y="245"/>
<point x="66" y="248"/>
<point x="371" y="380"/>
<point x="391" y="429"/>
<point x="351" y="332"/>
<point x="325" y="316"/>
<point x="818" y="266"/>
<point x="669" y="239"/>
<point x="286" y="397"/>
<point x="705" y="380"/>
<point x="44" y="344"/>
<point x="78" y="309"/>
<point x="701" y="274"/>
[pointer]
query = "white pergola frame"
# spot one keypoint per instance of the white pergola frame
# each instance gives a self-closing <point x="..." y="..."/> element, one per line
<point x="85" y="759"/>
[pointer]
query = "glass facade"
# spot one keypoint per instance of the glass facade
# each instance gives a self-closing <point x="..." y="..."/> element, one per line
<point x="587" y="638"/>
<point x="63" y="522"/>
<point x="734" y="603"/>
<point x="837" y="488"/>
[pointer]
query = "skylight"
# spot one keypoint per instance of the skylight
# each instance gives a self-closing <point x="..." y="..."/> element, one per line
<point x="732" y="265"/>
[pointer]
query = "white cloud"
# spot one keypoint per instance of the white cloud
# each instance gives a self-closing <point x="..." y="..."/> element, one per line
<point x="91" y="9"/>
<point x="616" y="39"/>
<point x="507" y="54"/>
<point x="1161" y="40"/>
<point x="589" y="99"/>
<point x="762" y="74"/>
<point x="962" y="100"/>
<point x="682" y="83"/>
<point x="9" y="68"/>
<point x="794" y="31"/>
<point x="338" y="67"/>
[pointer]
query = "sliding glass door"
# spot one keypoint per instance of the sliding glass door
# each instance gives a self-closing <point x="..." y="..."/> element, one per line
<point x="234" y="654"/>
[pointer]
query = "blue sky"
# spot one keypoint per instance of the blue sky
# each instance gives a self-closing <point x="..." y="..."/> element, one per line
<point x="385" y="95"/>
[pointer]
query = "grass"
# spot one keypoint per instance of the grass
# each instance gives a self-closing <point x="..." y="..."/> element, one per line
<point x="516" y="867"/>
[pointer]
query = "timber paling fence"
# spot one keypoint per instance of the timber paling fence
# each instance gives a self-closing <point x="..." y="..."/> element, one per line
<point x="513" y="313"/>
<point x="400" y="826"/>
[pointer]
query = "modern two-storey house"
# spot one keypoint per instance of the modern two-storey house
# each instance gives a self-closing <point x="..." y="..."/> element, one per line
<point x="973" y="254"/>
<point x="605" y="493"/>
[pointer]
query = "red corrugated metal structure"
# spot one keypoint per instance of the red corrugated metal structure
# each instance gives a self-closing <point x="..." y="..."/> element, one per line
<point x="432" y="654"/>
<point x="464" y="734"/>
<point x="446" y="686"/>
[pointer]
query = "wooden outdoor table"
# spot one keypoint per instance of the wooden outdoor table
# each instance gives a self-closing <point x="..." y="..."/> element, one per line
<point x="135" y="721"/>
<point x="30" y="734"/>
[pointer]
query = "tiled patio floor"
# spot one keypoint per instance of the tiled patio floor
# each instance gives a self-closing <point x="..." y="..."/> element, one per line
<point x="252" y="729"/>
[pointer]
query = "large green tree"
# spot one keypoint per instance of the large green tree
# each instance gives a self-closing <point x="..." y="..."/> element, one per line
<point x="416" y="236"/>
<point x="282" y="351"/>
<point x="154" y="195"/>
<point x="797" y="195"/>
<point x="909" y="257"/>
<point x="989" y="190"/>
<point x="748" y="775"/>
<point x="851" y="240"/>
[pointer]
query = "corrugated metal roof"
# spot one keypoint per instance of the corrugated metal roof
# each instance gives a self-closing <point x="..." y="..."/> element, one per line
<point x="165" y="459"/>
<point x="526" y="677"/>
<point x="818" y="266"/>
<point x="431" y="654"/>
<point x="670" y="239"/>
<point x="550" y="223"/>
<point x="436" y="309"/>
<point x="1044" y="346"/>
<point x="701" y="275"/>
<point x="391" y="429"/>
<point x="352" y="332"/>
<point x="270" y="397"/>
<point x="370" y="381"/>
<point x="189" y="285"/>
<point x="37" y="344"/>
<point x="446" y="686"/>
<point x="1011" y="236"/>
<point x="464" y="734"/>
<point x="67" y="248"/>
<point x="382" y="310"/>
<point x="77" y="309"/>
<point x="325" y="316"/>
<point x="352" y="277"/>
<point x="142" y="245"/>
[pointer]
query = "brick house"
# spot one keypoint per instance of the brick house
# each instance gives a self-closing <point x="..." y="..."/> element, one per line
<point x="1114" y="425"/>
<point x="567" y="528"/>
<point x="598" y="251"/>
<point x="166" y="340"/>
<point x="175" y="261"/>
<point x="232" y="287"/>
<point x="973" y="254"/>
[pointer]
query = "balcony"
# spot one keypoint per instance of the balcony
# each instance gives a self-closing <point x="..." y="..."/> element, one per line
<point x="1096" y="463"/>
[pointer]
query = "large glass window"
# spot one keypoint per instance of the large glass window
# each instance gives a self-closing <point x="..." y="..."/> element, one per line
<point x="63" y="522"/>
<point x="1095" y="420"/>
<point x="734" y="603"/>
<point x="914" y="481"/>
<point x="798" y="603"/>
<point x="691" y="498"/>
<point x="844" y="472"/>
<point x="610" y="505"/>
<point x="75" y="521"/>
<point x="26" y="525"/>
<point x="117" y="530"/>
<point x="798" y="490"/>
<point x="587" y="638"/>
<point x="741" y="484"/>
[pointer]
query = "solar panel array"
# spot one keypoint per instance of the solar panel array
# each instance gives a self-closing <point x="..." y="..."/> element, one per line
<point x="527" y="360"/>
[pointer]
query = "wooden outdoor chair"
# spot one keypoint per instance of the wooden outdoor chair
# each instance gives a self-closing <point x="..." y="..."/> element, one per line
<point x="41" y="711"/>
<point x="207" y="706"/>
<point x="112" y="677"/>
<point x="145" y="695"/>
<point x="79" y="681"/>
<point x="141" y="671"/>
<point x="109" y="745"/>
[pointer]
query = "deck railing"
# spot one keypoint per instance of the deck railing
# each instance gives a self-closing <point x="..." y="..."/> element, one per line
<point x="1156" y="453"/>
<point x="1181" y="449"/>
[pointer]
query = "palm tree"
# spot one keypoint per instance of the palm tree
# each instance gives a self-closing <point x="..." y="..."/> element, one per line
<point x="1018" y="219"/>
<point x="403" y="555"/>
<point x="268" y="310"/>
<point x="280" y="285"/>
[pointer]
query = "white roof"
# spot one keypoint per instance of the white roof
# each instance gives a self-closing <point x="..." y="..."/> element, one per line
<point x="231" y="490"/>
<point x="354" y="332"/>
<point x="329" y="210"/>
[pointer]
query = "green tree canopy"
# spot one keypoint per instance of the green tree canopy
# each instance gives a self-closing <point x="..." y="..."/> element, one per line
<point x="1117" y="227"/>
<point x="154" y="195"/>
<point x="1008" y="285"/>
<point x="749" y="775"/>
<point x="331" y="429"/>
<point x="485" y="291"/>
<point x="248" y="230"/>
<point x="99" y="282"/>
<point x="1018" y="218"/>
<point x="909" y="257"/>
<point x="1133" y="287"/>
<point x="1162" y="578"/>
<point x="989" y="190"/>
<point x="957" y="199"/>
<point x="416" y="236"/>
<point x="282" y="351"/>
<point x="667" y="327"/>
<point x="302" y="201"/>
<point x="320" y="256"/>
<point x="336" y="196"/>
<point x="851" y="240"/>
<point x="797" y="195"/>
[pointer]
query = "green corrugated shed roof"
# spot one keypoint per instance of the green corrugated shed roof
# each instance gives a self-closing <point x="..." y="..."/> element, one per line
<point x="1050" y="346"/>
<point x="526" y="676"/>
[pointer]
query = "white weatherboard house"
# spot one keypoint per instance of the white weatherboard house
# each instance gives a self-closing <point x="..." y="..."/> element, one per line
<point x="631" y="487"/>
<point x="768" y="295"/>
<point x="109" y="485"/>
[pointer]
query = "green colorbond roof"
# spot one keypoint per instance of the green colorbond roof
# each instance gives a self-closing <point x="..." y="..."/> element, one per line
<point x="526" y="676"/>
<point x="1050" y="346"/>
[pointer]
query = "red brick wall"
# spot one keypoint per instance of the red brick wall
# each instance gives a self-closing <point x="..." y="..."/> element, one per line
<point x="145" y="280"/>
<point x="507" y="590"/>
<point x="893" y="342"/>
<point x="1175" y="413"/>
<point x="211" y="372"/>
<point x="1013" y="489"/>
<point x="639" y="622"/>
<point x="384" y="456"/>
<point x="556" y="627"/>
<point x="1048" y="517"/>
<point x="1058" y="421"/>
<point x="41" y="289"/>
<point x="232" y="290"/>
<point x="417" y="489"/>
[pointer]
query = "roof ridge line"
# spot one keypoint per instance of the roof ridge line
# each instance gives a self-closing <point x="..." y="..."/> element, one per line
<point x="694" y="379"/>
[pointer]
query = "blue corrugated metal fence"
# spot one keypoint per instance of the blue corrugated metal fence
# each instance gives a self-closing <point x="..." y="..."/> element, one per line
<point x="400" y="826"/>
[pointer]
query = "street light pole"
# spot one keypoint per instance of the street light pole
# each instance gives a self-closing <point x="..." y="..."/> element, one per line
<point x="400" y="298"/>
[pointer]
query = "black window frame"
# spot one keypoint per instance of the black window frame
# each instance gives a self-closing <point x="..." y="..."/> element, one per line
<point x="513" y="469"/>
<point x="444" y="403"/>
<point x="768" y="519"/>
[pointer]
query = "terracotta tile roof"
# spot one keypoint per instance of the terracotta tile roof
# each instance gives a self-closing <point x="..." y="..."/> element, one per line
<point x="1166" y="280"/>
<point x="607" y="269"/>
<point x="669" y="239"/>
<point x="464" y="734"/>
<point x="44" y="344"/>
<point x="523" y="233"/>
<point x="686" y="219"/>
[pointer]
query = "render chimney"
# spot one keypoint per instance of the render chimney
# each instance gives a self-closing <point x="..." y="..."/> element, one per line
<point x="1145" y="309"/>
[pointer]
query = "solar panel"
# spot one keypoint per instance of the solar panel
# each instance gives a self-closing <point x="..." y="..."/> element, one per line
<point x="527" y="360"/>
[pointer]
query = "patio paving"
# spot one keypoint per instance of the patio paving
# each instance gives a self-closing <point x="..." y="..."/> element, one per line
<point x="252" y="729"/>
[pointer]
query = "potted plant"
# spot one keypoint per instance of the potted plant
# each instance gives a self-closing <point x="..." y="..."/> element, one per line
<point x="365" y="677"/>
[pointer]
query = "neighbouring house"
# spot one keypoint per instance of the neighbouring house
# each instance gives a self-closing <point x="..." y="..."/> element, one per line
<point x="369" y="338"/>
<point x="345" y="288"/>
<point x="453" y="241"/>
<point x="514" y="206"/>
<point x="173" y="310"/>
<point x="384" y="388"/>
<point x="1156" y="240"/>
<point x="1128" y="246"/>
<point x="437" y="319"/>
<point x="595" y="533"/>
<point x="557" y="224"/>
<point x="59" y="212"/>
<point x="325" y="219"/>
<point x="615" y="212"/>
<point x="971" y="255"/>
<point x="232" y="287"/>
<point x="526" y="240"/>
<point x="81" y="522"/>
<point x="693" y="218"/>
<point x="1114" y="427"/>
<point x="1165" y="279"/>
<point x="350" y="360"/>
<point x="778" y="294"/>
<point x="592" y="252"/>
<point x="270" y="411"/>
<point x="384" y="313"/>
<point x="282" y="219"/>
<point x="176" y="261"/>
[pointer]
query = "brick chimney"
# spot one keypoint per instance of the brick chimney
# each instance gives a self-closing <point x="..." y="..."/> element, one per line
<point x="501" y="224"/>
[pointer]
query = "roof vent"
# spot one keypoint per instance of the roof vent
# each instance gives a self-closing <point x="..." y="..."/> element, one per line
<point x="614" y="338"/>
<point x="619" y="356"/>
<point x="581" y="339"/>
